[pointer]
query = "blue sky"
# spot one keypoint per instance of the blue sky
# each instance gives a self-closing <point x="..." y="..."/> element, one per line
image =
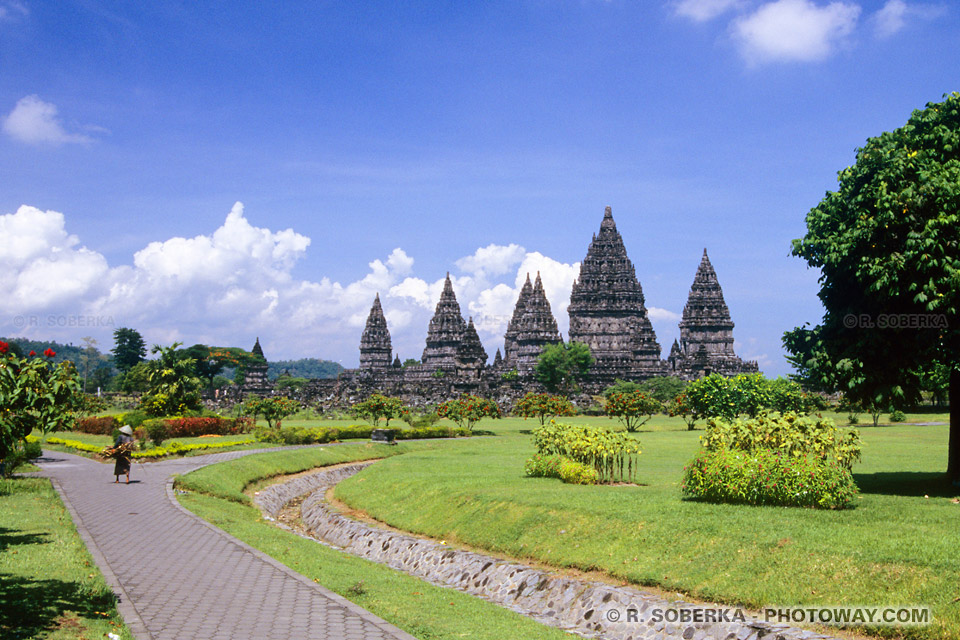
<point x="376" y="146"/>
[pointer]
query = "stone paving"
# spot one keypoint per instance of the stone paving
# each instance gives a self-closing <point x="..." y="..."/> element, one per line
<point x="178" y="577"/>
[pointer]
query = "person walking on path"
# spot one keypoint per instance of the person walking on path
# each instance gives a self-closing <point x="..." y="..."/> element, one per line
<point x="123" y="446"/>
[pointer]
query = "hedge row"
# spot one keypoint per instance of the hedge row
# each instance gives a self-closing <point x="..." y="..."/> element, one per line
<point x="322" y="435"/>
<point x="174" y="427"/>
<point x="174" y="448"/>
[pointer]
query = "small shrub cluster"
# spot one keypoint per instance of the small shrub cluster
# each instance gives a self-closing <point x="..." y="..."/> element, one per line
<point x="97" y="425"/>
<point x="897" y="416"/>
<point x="567" y="470"/>
<point x="27" y="451"/>
<point x="612" y="455"/>
<point x="767" y="477"/>
<point x="716" y="396"/>
<point x="543" y="405"/>
<point x="774" y="459"/>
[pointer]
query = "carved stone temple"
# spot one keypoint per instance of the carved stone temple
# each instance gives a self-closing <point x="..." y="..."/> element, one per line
<point x="607" y="313"/>
<point x="706" y="332"/>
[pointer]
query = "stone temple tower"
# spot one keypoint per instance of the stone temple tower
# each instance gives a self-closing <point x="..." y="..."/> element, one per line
<point x="607" y="311"/>
<point x="446" y="331"/>
<point x="537" y="329"/>
<point x="706" y="331"/>
<point x="375" y="347"/>
<point x="513" y="327"/>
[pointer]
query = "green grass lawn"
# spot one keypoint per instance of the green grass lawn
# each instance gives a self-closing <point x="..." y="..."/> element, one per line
<point x="49" y="585"/>
<point x="420" y="608"/>
<point x="897" y="546"/>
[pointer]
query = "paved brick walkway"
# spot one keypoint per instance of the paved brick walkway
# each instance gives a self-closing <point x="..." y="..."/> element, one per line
<point x="178" y="577"/>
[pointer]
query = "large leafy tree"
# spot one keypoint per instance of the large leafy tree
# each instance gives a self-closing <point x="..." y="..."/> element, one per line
<point x="36" y="395"/>
<point x="561" y="365"/>
<point x="174" y="385"/>
<point x="128" y="348"/>
<point x="887" y="243"/>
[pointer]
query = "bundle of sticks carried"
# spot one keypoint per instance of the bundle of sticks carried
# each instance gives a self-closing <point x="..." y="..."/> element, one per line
<point x="122" y="450"/>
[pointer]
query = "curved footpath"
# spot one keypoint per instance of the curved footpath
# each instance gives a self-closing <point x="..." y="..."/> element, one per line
<point x="179" y="577"/>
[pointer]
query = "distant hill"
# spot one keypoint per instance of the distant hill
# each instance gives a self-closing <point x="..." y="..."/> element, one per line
<point x="64" y="351"/>
<point x="304" y="368"/>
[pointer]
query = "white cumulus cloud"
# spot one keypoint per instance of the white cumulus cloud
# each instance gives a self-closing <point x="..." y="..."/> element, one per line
<point x="34" y="121"/>
<point x="492" y="260"/>
<point x="794" y="30"/>
<point x="703" y="10"/>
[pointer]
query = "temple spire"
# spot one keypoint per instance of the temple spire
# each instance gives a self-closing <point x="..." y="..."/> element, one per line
<point x="607" y="310"/>
<point x="513" y="327"/>
<point x="445" y="332"/>
<point x="375" y="346"/>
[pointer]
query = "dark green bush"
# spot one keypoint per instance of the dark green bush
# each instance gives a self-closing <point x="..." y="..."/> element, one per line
<point x="897" y="416"/>
<point x="157" y="430"/>
<point x="767" y="477"/>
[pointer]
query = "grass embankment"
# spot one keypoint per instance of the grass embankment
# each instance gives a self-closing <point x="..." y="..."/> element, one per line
<point x="49" y="585"/>
<point x="424" y="610"/>
<point x="896" y="547"/>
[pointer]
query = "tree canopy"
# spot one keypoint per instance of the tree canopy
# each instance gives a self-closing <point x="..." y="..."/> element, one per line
<point x="128" y="348"/>
<point x="887" y="243"/>
<point x="561" y="365"/>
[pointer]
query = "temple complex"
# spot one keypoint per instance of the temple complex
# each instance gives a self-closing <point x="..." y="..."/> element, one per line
<point x="607" y="313"/>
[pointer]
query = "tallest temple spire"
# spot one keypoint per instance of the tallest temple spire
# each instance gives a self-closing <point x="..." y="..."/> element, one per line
<point x="607" y="310"/>
<point x="446" y="331"/>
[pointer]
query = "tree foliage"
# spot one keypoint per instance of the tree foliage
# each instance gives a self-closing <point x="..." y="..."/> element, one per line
<point x="560" y="366"/>
<point x="35" y="394"/>
<point x="663" y="388"/>
<point x="273" y="409"/>
<point x="887" y="243"/>
<point x="174" y="385"/>
<point x="632" y="408"/>
<point x="467" y="410"/>
<point x="128" y="348"/>
<point x="543" y="406"/>
<point x="380" y="407"/>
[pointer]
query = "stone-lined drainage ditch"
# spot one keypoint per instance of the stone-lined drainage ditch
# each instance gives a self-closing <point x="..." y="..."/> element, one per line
<point x="587" y="608"/>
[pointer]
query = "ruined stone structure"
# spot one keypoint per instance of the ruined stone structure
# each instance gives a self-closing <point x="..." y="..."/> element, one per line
<point x="607" y="311"/>
<point x="255" y="379"/>
<point x="536" y="328"/>
<point x="375" y="347"/>
<point x="445" y="333"/>
<point x="706" y="331"/>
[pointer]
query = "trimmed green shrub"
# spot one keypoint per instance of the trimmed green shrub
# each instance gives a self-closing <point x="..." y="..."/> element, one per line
<point x="573" y="472"/>
<point x="768" y="477"/>
<point x="897" y="416"/>
<point x="774" y="459"/>
<point x="157" y="430"/>
<point x="567" y="470"/>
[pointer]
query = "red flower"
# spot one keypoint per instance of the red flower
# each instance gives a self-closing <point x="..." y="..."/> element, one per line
<point x="4" y="346"/>
<point x="49" y="353"/>
<point x="32" y="353"/>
